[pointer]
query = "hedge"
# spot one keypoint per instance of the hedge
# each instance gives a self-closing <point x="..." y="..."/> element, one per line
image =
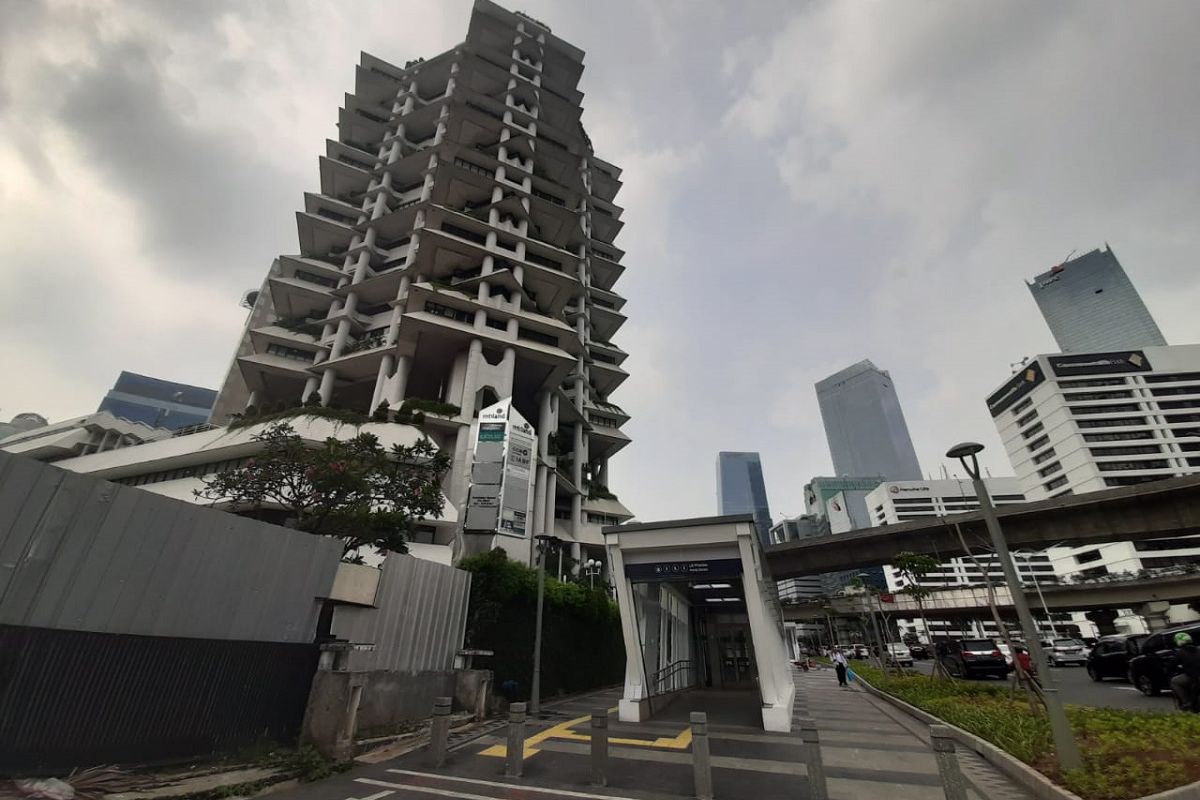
<point x="581" y="637"/>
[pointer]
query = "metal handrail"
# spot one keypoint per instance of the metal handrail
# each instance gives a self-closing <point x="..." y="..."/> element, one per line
<point x="667" y="678"/>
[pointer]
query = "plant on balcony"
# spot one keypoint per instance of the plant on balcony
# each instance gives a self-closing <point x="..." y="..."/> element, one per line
<point x="381" y="412"/>
<point x="355" y="490"/>
<point x="598" y="491"/>
<point x="414" y="404"/>
<point x="254" y="416"/>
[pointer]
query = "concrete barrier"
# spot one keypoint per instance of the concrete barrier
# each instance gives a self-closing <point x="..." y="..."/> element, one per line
<point x="701" y="760"/>
<point x="600" y="747"/>
<point x="515" y="762"/>
<point x="818" y="789"/>
<point x="439" y="733"/>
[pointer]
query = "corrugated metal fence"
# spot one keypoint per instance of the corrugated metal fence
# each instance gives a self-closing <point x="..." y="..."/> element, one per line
<point x="81" y="553"/>
<point x="134" y="627"/>
<point x="419" y="621"/>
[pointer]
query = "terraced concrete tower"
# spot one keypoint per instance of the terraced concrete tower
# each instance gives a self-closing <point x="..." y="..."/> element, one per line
<point x="460" y="251"/>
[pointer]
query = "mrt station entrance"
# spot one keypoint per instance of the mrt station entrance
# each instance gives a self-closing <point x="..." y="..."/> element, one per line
<point x="695" y="615"/>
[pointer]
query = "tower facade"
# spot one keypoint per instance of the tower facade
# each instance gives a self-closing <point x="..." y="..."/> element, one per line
<point x="865" y="425"/>
<point x="1091" y="305"/>
<point x="742" y="490"/>
<point x="459" y="252"/>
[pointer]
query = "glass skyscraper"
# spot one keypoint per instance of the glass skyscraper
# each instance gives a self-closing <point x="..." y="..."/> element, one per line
<point x="159" y="403"/>
<point x="741" y="490"/>
<point x="1091" y="306"/>
<point x="865" y="425"/>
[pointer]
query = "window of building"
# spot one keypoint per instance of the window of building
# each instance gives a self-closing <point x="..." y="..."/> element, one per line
<point x="1044" y="456"/>
<point x="451" y="313"/>
<point x="1167" y="391"/>
<point x="1021" y="406"/>
<point x="1169" y="561"/>
<point x="1179" y="376"/>
<point x="1118" y="422"/>
<point x="1185" y="543"/>
<point x="1123" y="436"/>
<point x="319" y="280"/>
<point x="1033" y="431"/>
<point x="1087" y="557"/>
<point x="1125" y="466"/>
<point x="1003" y="497"/>
<point x="1116" y="408"/>
<point x="294" y="353"/>
<point x="1050" y="470"/>
<point x="1133" y="480"/>
<point x="1132" y="450"/>
<point x="1174" y="418"/>
<point x="1063" y="493"/>
<point x="1039" y="443"/>
<point x="1178" y="404"/>
<point x="1028" y="418"/>
<point x="1094" y="572"/>
<point x="1079" y="384"/>
<point x="537" y="336"/>
<point x="1054" y="484"/>
<point x="1099" y="396"/>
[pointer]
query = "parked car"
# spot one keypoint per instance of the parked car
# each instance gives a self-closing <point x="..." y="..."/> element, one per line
<point x="899" y="654"/>
<point x="861" y="652"/>
<point x="1152" y="669"/>
<point x="1110" y="657"/>
<point x="971" y="658"/>
<point x="918" y="651"/>
<point x="1066" y="651"/>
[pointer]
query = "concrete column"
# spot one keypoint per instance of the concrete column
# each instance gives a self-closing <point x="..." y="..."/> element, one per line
<point x="381" y="379"/>
<point x="395" y="395"/>
<point x="310" y="386"/>
<point x="631" y="706"/>
<point x="326" y="388"/>
<point x="774" y="671"/>
<point x="1156" y="613"/>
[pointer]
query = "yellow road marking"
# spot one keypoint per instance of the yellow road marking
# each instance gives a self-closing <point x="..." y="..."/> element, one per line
<point x="563" y="731"/>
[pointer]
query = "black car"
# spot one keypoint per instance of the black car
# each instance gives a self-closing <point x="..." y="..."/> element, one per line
<point x="971" y="658"/>
<point x="1152" y="669"/>
<point x="1110" y="657"/>
<point x="918" y="651"/>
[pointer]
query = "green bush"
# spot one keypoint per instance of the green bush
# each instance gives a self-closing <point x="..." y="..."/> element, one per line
<point x="1126" y="754"/>
<point x="581" y="636"/>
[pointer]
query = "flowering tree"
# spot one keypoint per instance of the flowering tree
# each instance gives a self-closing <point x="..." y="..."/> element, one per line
<point x="356" y="490"/>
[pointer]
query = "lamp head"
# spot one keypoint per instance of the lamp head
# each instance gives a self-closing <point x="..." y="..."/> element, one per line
<point x="967" y="453"/>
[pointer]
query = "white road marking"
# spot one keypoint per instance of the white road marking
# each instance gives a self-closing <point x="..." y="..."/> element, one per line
<point x="496" y="784"/>
<point x="375" y="796"/>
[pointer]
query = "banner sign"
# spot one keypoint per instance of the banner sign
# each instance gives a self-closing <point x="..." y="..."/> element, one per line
<point x="1018" y="386"/>
<point x="1100" y="363"/>
<point x="685" y="570"/>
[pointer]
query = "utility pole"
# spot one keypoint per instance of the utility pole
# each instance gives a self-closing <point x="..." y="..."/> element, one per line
<point x="535" y="695"/>
<point x="1060" y="726"/>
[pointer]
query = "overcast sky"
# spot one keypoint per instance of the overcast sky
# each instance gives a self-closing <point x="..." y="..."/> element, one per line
<point x="806" y="185"/>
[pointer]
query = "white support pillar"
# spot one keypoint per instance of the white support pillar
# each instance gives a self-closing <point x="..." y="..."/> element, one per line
<point x="774" y="671"/>
<point x="399" y="382"/>
<point x="633" y="705"/>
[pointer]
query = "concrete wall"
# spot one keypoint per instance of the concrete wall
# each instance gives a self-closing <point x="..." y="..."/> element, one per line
<point x="80" y="553"/>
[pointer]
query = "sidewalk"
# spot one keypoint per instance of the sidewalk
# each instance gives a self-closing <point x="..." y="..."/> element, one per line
<point x="870" y="750"/>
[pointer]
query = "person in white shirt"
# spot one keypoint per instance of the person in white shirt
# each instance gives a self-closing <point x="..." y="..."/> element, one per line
<point x="839" y="664"/>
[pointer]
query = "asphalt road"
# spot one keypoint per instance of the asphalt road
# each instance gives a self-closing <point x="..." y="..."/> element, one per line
<point x="1076" y="687"/>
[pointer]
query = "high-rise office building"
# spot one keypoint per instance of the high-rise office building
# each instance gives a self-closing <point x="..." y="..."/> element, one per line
<point x="158" y="403"/>
<point x="1091" y="305"/>
<point x="865" y="426"/>
<point x="459" y="252"/>
<point x="1081" y="422"/>
<point x="790" y="530"/>
<point x="839" y="505"/>
<point x="741" y="490"/>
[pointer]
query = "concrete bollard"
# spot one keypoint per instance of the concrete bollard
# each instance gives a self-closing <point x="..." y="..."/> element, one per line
<point x="600" y="747"/>
<point x="943" y="749"/>
<point x="515" y="761"/>
<point x="439" y="732"/>
<point x="701" y="762"/>
<point x="814" y="766"/>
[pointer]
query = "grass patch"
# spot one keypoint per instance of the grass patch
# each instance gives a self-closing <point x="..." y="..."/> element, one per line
<point x="1126" y="754"/>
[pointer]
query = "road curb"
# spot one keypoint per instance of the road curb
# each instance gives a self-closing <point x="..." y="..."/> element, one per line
<point x="1012" y="768"/>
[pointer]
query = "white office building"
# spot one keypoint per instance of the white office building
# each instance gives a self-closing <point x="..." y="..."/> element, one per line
<point x="61" y="441"/>
<point x="1080" y="422"/>
<point x="790" y="530"/>
<point x="894" y="502"/>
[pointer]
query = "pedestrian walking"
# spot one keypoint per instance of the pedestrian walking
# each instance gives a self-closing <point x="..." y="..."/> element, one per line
<point x="1026" y="664"/>
<point x="1186" y="685"/>
<point x="839" y="664"/>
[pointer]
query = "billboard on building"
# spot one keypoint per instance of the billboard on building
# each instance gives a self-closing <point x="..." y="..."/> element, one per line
<point x="500" y="500"/>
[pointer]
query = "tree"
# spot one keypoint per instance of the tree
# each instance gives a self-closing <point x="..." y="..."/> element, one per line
<point x="913" y="568"/>
<point x="355" y="490"/>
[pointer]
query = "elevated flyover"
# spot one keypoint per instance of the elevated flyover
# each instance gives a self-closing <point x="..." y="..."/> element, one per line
<point x="1162" y="509"/>
<point x="972" y="601"/>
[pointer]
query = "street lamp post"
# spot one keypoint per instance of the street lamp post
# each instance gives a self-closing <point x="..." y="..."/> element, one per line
<point x="1038" y="587"/>
<point x="862" y="576"/>
<point x="1060" y="727"/>
<point x="593" y="566"/>
<point x="544" y="543"/>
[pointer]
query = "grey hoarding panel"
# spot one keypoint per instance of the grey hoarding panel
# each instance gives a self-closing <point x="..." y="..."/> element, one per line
<point x="80" y="553"/>
<point x="486" y="472"/>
